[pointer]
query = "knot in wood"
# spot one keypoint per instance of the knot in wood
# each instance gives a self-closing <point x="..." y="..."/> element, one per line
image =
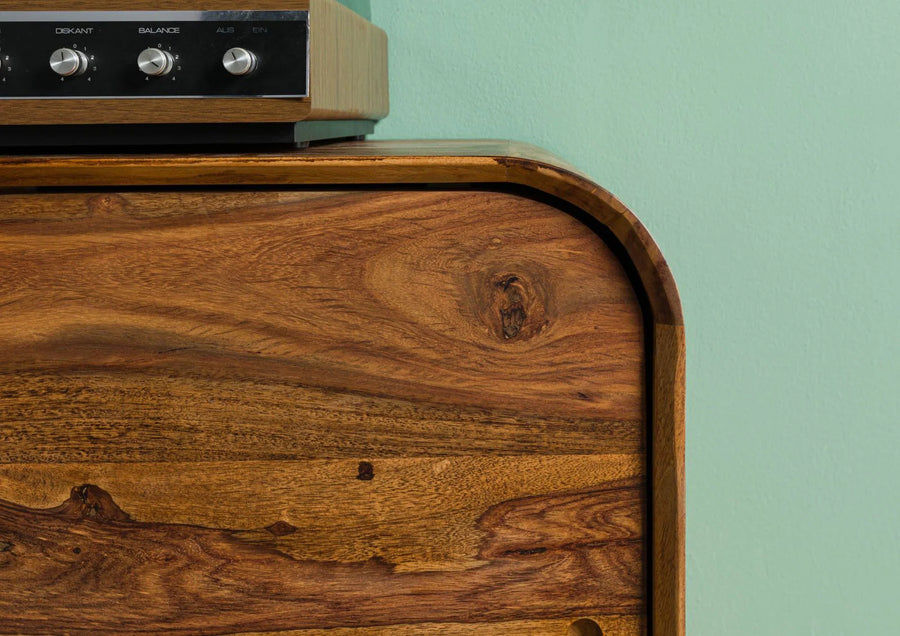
<point x="365" y="472"/>
<point x="514" y="305"/>
<point x="281" y="528"/>
<point x="92" y="502"/>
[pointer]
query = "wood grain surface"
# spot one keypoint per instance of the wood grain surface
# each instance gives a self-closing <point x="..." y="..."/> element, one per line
<point x="350" y="411"/>
<point x="375" y="162"/>
<point x="348" y="74"/>
<point x="442" y="392"/>
<point x="586" y="626"/>
<point x="416" y="513"/>
<point x="287" y="313"/>
<point x="87" y="566"/>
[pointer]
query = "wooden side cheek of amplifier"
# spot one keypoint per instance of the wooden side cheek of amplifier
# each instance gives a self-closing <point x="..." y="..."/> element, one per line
<point x="348" y="74"/>
<point x="405" y="388"/>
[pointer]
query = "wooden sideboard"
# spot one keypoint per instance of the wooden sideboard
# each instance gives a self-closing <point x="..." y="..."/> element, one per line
<point x="368" y="388"/>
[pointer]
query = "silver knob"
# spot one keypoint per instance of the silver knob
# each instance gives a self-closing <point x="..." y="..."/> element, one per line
<point x="156" y="62"/>
<point x="68" y="62"/>
<point x="239" y="61"/>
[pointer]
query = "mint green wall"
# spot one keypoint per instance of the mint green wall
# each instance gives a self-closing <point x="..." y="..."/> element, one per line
<point x="362" y="7"/>
<point x="760" y="143"/>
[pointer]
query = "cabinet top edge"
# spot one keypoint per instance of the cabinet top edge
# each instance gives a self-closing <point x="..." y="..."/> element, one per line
<point x="406" y="162"/>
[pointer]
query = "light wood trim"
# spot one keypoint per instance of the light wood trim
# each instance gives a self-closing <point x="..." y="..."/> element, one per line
<point x="150" y="111"/>
<point x="458" y="162"/>
<point x="348" y="64"/>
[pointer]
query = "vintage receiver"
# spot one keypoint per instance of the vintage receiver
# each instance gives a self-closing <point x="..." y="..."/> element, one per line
<point x="368" y="388"/>
<point x="126" y="73"/>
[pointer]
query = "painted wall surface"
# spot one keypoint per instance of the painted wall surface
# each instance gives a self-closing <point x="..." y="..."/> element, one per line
<point x="760" y="143"/>
<point x="362" y="7"/>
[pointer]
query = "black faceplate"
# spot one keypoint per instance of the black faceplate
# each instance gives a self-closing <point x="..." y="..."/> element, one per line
<point x="280" y="42"/>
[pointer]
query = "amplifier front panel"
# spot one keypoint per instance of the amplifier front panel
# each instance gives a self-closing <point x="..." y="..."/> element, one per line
<point x="96" y="54"/>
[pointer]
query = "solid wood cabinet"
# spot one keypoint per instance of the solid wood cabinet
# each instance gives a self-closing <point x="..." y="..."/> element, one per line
<point x="404" y="388"/>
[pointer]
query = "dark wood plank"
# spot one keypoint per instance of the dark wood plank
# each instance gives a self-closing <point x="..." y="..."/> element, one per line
<point x="98" y="415"/>
<point x="416" y="513"/>
<point x="63" y="568"/>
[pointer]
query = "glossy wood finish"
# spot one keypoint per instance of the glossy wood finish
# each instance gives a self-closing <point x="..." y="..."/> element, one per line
<point x="429" y="403"/>
<point x="348" y="74"/>
<point x="381" y="163"/>
<point x="435" y="306"/>
<point x="138" y="576"/>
